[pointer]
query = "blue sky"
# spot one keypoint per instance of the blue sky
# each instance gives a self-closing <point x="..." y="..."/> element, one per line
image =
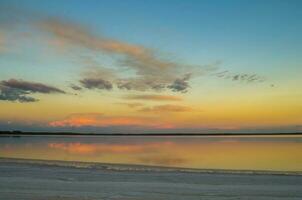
<point x="196" y="31"/>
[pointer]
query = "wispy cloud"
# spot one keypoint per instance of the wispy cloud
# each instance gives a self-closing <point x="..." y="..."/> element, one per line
<point x="153" y="97"/>
<point x="152" y="70"/>
<point x="166" y="108"/>
<point x="143" y="68"/>
<point x="240" y="77"/>
<point x="18" y="90"/>
<point x="78" y="35"/>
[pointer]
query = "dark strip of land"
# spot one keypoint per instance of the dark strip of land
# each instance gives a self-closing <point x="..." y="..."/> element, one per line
<point x="20" y="133"/>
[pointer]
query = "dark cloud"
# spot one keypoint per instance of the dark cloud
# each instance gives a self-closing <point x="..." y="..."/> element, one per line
<point x="18" y="90"/>
<point x="11" y="94"/>
<point x="247" y="78"/>
<point x="180" y="84"/>
<point x="94" y="83"/>
<point x="139" y="84"/>
<point x="31" y="87"/>
<point x="240" y="77"/>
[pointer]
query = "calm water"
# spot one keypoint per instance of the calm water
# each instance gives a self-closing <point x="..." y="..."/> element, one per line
<point x="244" y="153"/>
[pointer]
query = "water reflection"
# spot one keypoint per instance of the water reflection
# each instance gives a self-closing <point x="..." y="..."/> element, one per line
<point x="255" y="153"/>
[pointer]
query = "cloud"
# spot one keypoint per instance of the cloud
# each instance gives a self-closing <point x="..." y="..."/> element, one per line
<point x="78" y="35"/>
<point x="143" y="68"/>
<point x="140" y="84"/>
<point x="96" y="77"/>
<point x="17" y="90"/>
<point x="11" y="94"/>
<point x="249" y="78"/>
<point x="30" y="86"/>
<point x="95" y="83"/>
<point x="166" y="108"/>
<point x="240" y="77"/>
<point x="153" y="97"/>
<point x="180" y="84"/>
<point x="151" y="70"/>
<point x="101" y="120"/>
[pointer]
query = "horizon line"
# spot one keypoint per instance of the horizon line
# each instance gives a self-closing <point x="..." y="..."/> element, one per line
<point x="46" y="133"/>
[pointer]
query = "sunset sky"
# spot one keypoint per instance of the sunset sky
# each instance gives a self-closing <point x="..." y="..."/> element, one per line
<point x="151" y="66"/>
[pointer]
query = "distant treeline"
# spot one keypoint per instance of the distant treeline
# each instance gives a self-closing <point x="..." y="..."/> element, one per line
<point x="21" y="133"/>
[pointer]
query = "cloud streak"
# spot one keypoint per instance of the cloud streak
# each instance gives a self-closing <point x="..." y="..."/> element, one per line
<point x="77" y="35"/>
<point x="32" y="87"/>
<point x="166" y="108"/>
<point x="153" y="97"/>
<point x="240" y="77"/>
<point x="18" y="90"/>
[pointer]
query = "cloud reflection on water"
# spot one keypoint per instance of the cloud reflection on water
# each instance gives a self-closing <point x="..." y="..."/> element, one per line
<point x="256" y="153"/>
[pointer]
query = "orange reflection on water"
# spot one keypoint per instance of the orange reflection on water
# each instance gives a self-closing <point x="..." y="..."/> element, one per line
<point x="80" y="148"/>
<point x="224" y="153"/>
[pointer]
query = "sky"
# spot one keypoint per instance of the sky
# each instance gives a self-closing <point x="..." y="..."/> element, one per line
<point x="151" y="66"/>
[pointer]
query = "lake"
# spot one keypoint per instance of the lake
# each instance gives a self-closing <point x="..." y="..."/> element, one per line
<point x="149" y="168"/>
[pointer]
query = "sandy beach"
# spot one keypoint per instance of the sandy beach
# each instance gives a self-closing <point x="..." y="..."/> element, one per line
<point x="20" y="179"/>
